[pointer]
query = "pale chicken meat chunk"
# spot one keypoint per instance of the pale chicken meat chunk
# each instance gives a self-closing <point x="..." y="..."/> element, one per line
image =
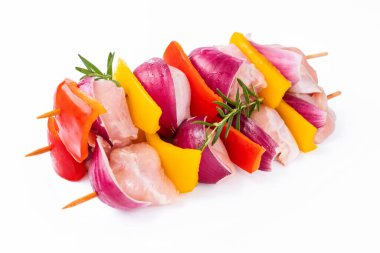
<point x="269" y="119"/>
<point x="138" y="172"/>
<point x="117" y="120"/>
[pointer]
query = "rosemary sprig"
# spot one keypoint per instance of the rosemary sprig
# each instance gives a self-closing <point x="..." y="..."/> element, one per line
<point x="92" y="71"/>
<point x="230" y="110"/>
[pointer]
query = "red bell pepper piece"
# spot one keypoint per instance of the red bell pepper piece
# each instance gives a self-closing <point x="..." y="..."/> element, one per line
<point x="202" y="97"/>
<point x="77" y="114"/>
<point x="242" y="151"/>
<point x="63" y="163"/>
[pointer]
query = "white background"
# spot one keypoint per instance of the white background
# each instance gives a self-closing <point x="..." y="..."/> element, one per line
<point x="326" y="201"/>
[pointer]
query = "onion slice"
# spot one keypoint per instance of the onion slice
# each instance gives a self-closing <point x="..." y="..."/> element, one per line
<point x="221" y="66"/>
<point x="104" y="183"/>
<point x="170" y="89"/>
<point x="312" y="113"/>
<point x="215" y="163"/>
<point x="249" y="128"/>
<point x="216" y="68"/>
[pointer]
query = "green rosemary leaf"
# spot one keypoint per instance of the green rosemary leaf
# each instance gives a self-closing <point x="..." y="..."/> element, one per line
<point x="116" y="82"/>
<point x="251" y="109"/>
<point x="237" y="98"/>
<point x="240" y="82"/>
<point x="229" y="124"/>
<point x="89" y="65"/>
<point x="225" y="98"/>
<point x="217" y="133"/>
<point x="203" y="123"/>
<point x="252" y="92"/>
<point x="109" y="63"/>
<point x="246" y="94"/>
<point x="220" y="112"/>
<point x="225" y="106"/>
<point x="237" y="124"/>
<point x="83" y="71"/>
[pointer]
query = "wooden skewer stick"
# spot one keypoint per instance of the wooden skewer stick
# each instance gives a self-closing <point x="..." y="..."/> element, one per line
<point x="311" y="56"/>
<point x="334" y="94"/>
<point x="50" y="114"/>
<point x="39" y="151"/>
<point x="81" y="200"/>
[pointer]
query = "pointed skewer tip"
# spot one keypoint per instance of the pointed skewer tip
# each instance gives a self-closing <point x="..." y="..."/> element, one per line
<point x="39" y="151"/>
<point x="81" y="200"/>
<point x="49" y="114"/>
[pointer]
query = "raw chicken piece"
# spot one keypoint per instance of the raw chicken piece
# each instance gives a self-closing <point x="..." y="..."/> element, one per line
<point x="116" y="125"/>
<point x="268" y="119"/>
<point x="247" y="72"/>
<point x="326" y="130"/>
<point x="137" y="169"/>
<point x="182" y="94"/>
<point x="117" y="120"/>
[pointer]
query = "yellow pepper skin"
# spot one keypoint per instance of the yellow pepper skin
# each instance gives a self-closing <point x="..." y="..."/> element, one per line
<point x="300" y="128"/>
<point x="277" y="83"/>
<point x="180" y="165"/>
<point x="144" y="111"/>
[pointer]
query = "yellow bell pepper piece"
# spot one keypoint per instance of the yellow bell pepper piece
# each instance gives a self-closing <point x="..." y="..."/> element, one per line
<point x="300" y="128"/>
<point x="180" y="165"/>
<point x="277" y="83"/>
<point x="145" y="112"/>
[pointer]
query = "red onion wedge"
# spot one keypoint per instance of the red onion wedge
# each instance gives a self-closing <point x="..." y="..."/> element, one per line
<point x="170" y="89"/>
<point x="221" y="66"/>
<point x="115" y="126"/>
<point x="321" y="116"/>
<point x="312" y="113"/>
<point x="292" y="63"/>
<point x="104" y="183"/>
<point x="258" y="135"/>
<point x="215" y="163"/>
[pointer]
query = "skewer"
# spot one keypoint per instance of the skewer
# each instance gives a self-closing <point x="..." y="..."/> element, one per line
<point x="334" y="94"/>
<point x="81" y="200"/>
<point x="39" y="151"/>
<point x="49" y="114"/>
<point x="311" y="56"/>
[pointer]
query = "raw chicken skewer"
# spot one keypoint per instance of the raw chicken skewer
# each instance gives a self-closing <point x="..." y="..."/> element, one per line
<point x="117" y="163"/>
